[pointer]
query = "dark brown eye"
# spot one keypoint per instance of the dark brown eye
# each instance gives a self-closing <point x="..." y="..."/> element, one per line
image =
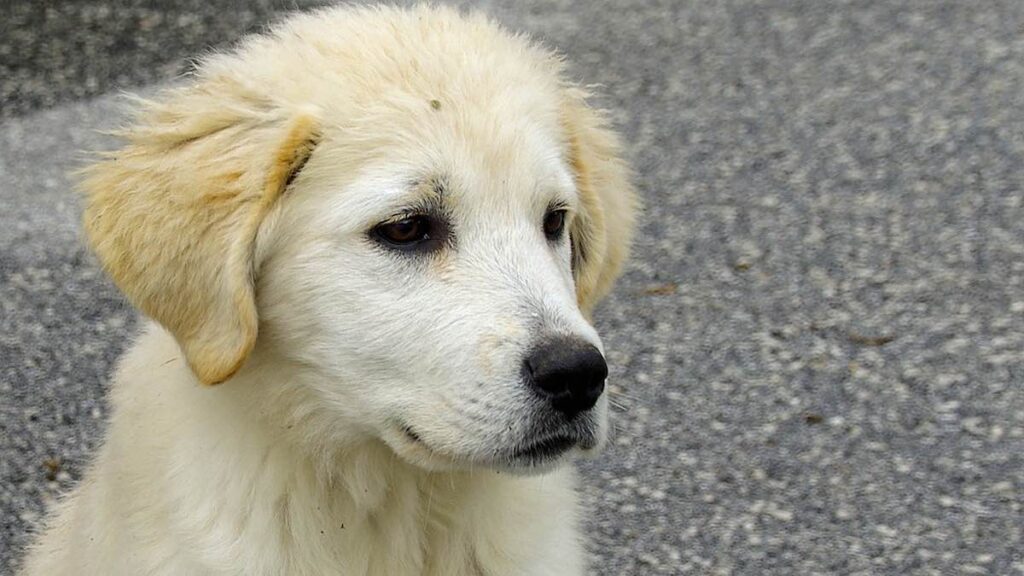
<point x="554" y="224"/>
<point x="405" y="232"/>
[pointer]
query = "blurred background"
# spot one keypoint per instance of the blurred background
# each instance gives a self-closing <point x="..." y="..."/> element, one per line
<point x="817" y="350"/>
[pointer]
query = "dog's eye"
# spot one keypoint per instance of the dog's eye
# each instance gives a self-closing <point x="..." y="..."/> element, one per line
<point x="554" y="224"/>
<point x="406" y="232"/>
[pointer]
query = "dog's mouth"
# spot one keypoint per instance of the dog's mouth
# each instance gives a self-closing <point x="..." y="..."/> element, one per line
<point x="539" y="452"/>
<point x="544" y="449"/>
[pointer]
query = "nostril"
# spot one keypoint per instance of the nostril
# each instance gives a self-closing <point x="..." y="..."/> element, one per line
<point x="568" y="372"/>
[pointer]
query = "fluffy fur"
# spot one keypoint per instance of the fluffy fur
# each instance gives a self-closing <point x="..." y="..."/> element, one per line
<point x="369" y="415"/>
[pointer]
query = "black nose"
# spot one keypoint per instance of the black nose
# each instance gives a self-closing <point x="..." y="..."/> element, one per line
<point x="567" y="372"/>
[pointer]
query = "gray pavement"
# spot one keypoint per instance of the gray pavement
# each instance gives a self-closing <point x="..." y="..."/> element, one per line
<point x="818" y="348"/>
<point x="53" y="51"/>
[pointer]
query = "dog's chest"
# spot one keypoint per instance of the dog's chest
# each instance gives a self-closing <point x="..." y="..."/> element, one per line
<point x="415" y="525"/>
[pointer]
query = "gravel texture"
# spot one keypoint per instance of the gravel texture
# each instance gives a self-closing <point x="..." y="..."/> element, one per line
<point x="818" y="349"/>
<point x="53" y="51"/>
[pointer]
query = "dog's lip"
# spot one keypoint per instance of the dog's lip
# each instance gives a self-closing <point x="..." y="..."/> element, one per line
<point x="531" y="453"/>
<point x="545" y="448"/>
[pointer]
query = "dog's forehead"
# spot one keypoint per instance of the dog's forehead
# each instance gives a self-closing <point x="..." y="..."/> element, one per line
<point x="528" y="167"/>
<point x="489" y="163"/>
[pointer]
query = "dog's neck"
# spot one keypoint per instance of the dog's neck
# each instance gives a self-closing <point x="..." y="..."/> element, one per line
<point x="351" y="500"/>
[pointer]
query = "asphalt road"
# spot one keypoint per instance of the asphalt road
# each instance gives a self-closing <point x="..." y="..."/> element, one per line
<point x="817" y="350"/>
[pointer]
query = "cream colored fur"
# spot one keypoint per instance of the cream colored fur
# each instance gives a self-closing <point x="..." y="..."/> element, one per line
<point x="369" y="405"/>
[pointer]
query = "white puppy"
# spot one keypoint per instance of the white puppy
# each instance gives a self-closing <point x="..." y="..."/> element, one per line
<point x="380" y="233"/>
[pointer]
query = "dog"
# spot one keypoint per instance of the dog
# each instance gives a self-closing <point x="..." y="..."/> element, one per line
<point x="367" y="244"/>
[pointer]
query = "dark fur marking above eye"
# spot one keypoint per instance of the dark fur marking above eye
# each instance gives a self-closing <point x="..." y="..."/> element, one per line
<point x="439" y="185"/>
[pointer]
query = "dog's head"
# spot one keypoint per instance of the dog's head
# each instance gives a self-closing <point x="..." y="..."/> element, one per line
<point x="412" y="209"/>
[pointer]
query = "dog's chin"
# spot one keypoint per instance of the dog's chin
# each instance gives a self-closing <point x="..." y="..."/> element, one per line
<point x="537" y="455"/>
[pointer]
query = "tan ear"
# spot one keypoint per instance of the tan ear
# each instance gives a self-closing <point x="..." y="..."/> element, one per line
<point x="602" y="231"/>
<point x="174" y="214"/>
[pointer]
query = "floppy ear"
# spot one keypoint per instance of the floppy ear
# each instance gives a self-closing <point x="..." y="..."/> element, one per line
<point x="602" y="231"/>
<point x="174" y="214"/>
